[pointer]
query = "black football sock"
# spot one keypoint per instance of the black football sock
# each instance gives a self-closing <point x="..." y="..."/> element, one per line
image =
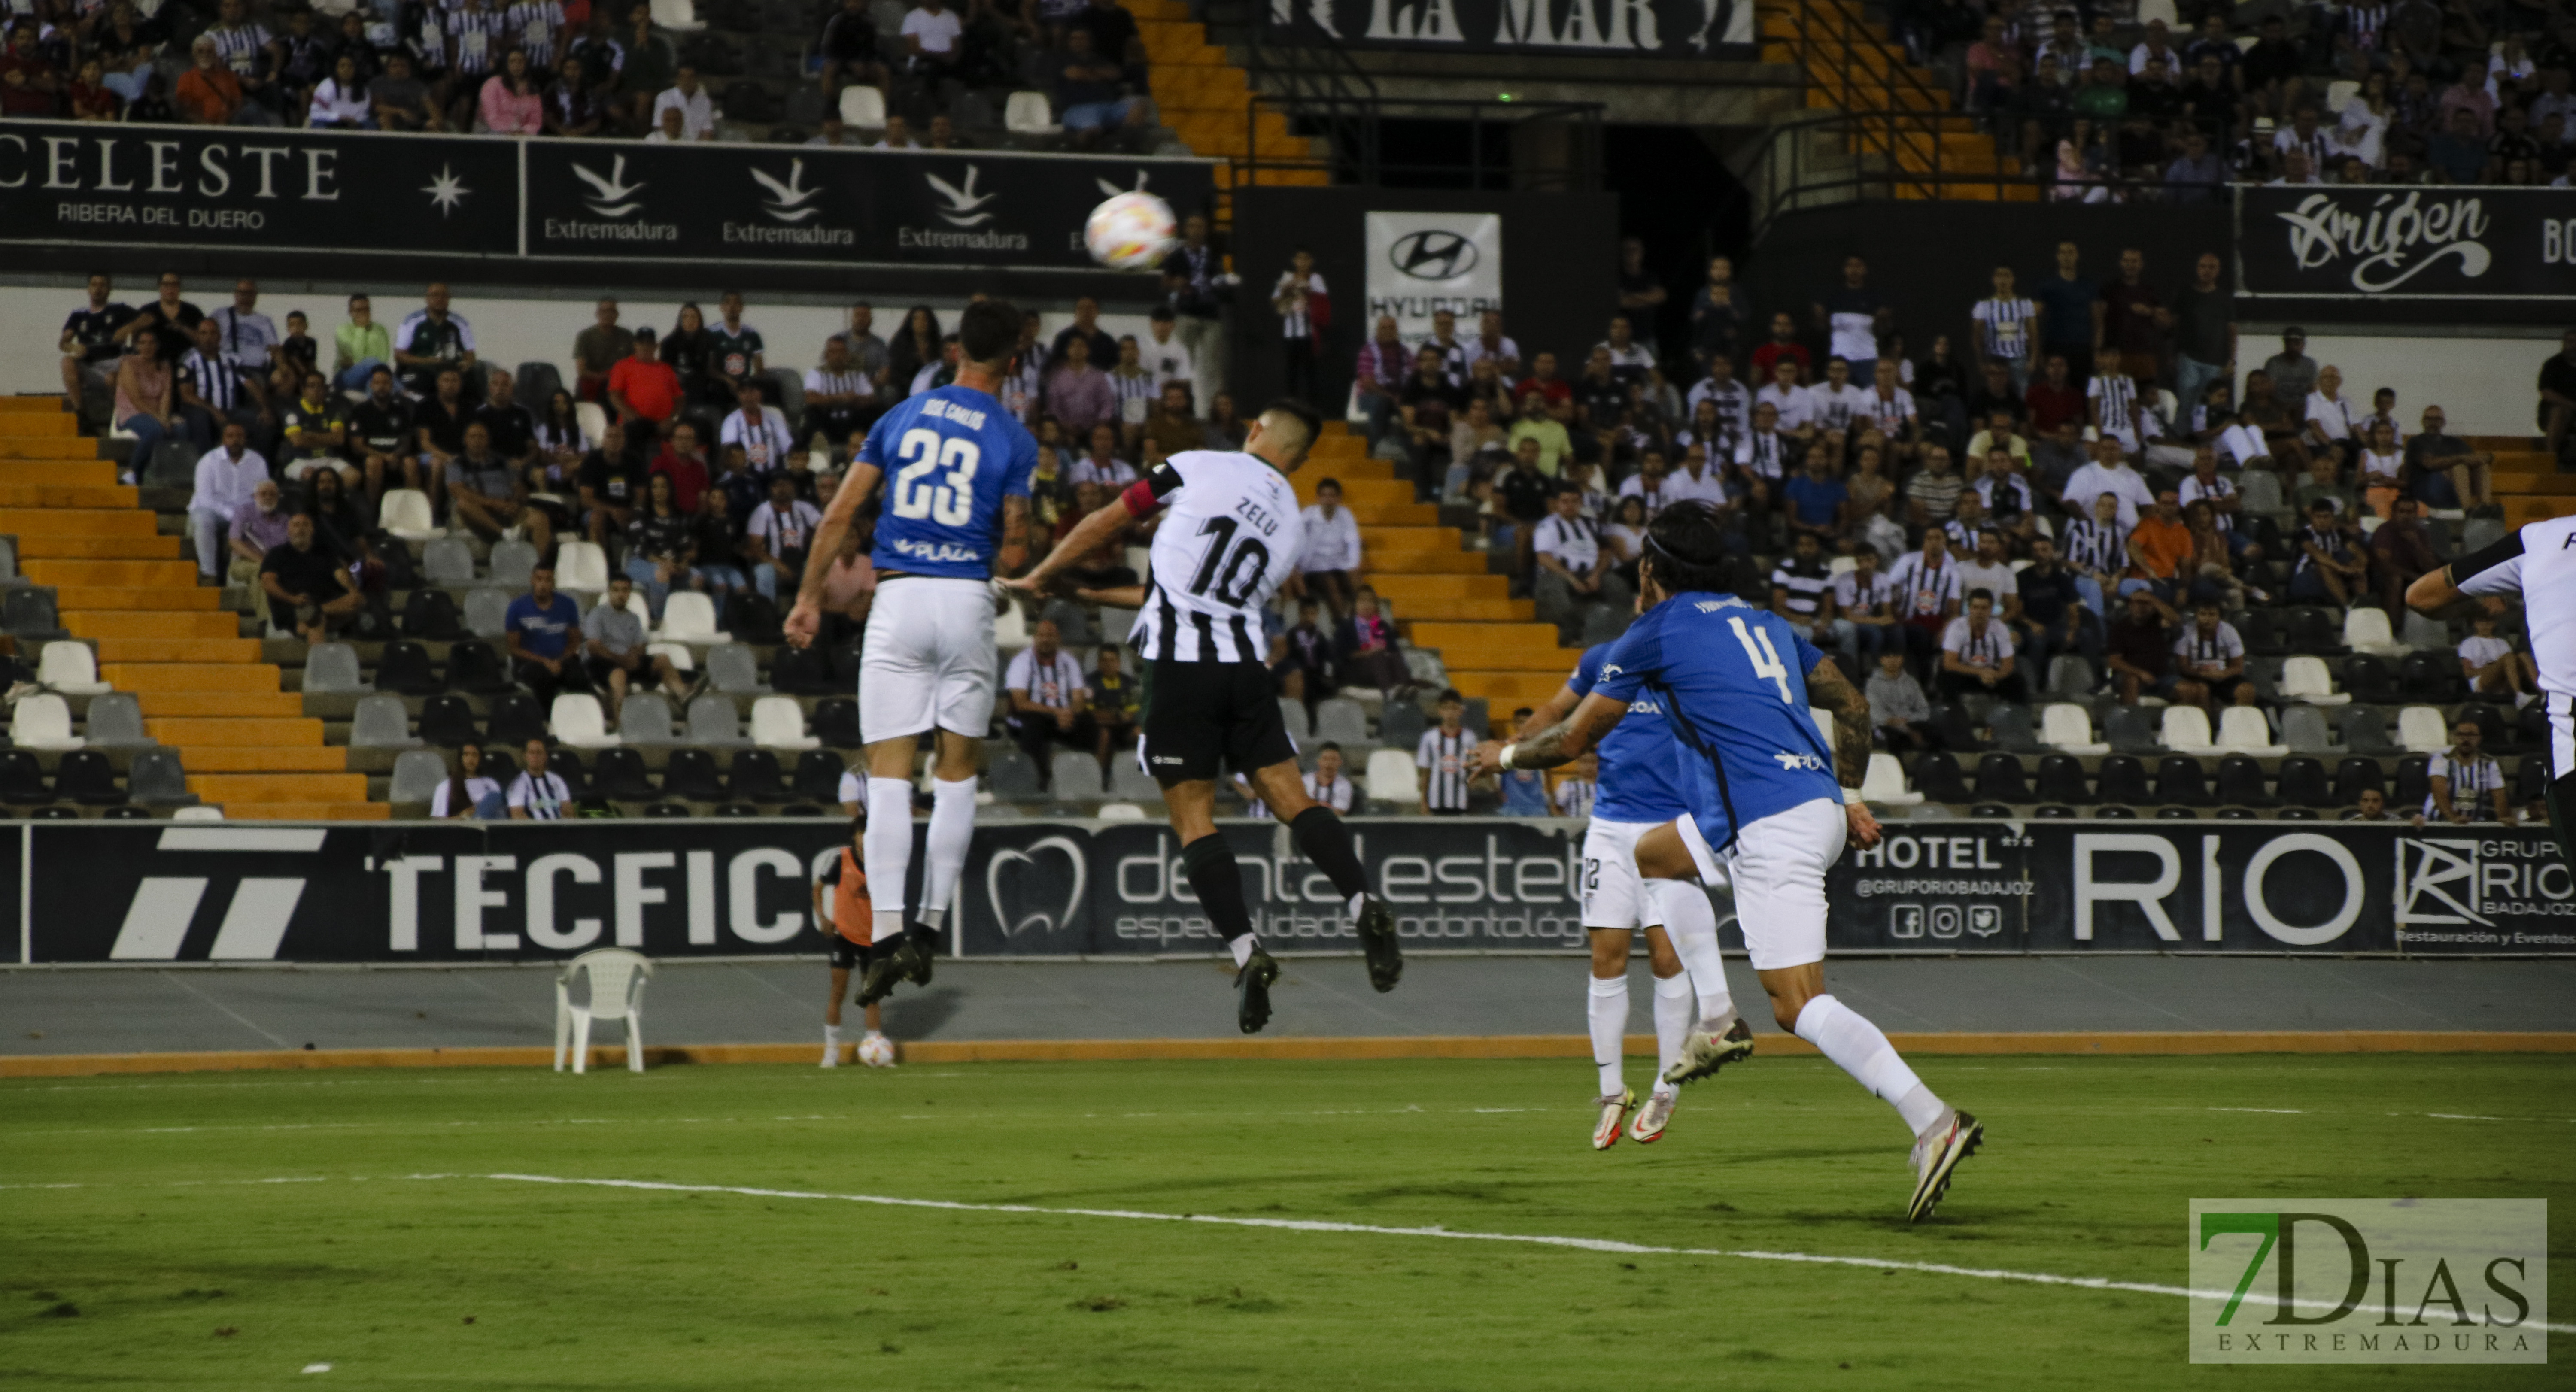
<point x="1327" y="842"/>
<point x="1218" y="882"/>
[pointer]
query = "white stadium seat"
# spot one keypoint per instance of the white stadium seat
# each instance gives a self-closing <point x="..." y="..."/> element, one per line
<point x="405" y="513"/>
<point x="2243" y="730"/>
<point x="1391" y="778"/>
<point x="2305" y="678"/>
<point x="581" y="565"/>
<point x="2367" y="631"/>
<point x="2421" y="730"/>
<point x="777" y="722"/>
<point x="1027" y="113"/>
<point x="1885" y="783"/>
<point x="690" y="617"/>
<point x="863" y="108"/>
<point x="2067" y="727"/>
<point x="70" y="668"/>
<point x="2186" y="731"/>
<point x="43" y="722"/>
<point x="579" y="722"/>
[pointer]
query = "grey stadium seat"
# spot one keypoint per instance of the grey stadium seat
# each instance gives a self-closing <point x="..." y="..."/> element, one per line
<point x="332" y="667"/>
<point x="116" y="720"/>
<point x="715" y="724"/>
<point x="1342" y="721"/>
<point x="155" y="776"/>
<point x="1009" y="772"/>
<point x="735" y="670"/>
<point x="1292" y="713"/>
<point x="512" y="561"/>
<point x="382" y="722"/>
<point x="417" y="774"/>
<point x="646" y="719"/>
<point x="447" y="561"/>
<point x="2303" y="728"/>
<point x="1401" y="724"/>
<point x="1076" y="775"/>
<point x="487" y="612"/>
<point x="1129" y="783"/>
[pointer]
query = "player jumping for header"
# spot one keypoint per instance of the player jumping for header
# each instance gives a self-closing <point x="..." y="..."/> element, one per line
<point x="1764" y="805"/>
<point x="956" y="468"/>
<point x="1230" y="542"/>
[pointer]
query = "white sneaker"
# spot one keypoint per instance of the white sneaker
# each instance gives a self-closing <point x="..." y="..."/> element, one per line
<point x="832" y="1055"/>
<point x="1648" y="1128"/>
<point x="1614" y="1110"/>
<point x="1937" y="1152"/>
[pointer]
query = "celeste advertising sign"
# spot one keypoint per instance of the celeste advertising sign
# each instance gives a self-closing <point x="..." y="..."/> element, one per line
<point x="2407" y="244"/>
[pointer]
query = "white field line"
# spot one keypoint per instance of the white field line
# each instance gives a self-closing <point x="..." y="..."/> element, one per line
<point x="1586" y="1244"/>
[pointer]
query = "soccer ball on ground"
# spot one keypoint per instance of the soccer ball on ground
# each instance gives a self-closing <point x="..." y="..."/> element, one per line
<point x="877" y="1051"/>
<point x="1129" y="232"/>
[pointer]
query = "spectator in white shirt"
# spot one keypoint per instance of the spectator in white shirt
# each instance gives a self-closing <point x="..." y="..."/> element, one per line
<point x="340" y="101"/>
<point x="1575" y="791"/>
<point x="2108" y="473"/>
<point x="1696" y="479"/>
<point x="1762" y="456"/>
<point x="1103" y="466"/>
<point x="536" y="795"/>
<point x="1328" y="784"/>
<point x="2205" y="484"/>
<point x="687" y="96"/>
<point x="1630" y="361"/>
<point x="2491" y="666"/>
<point x="1840" y="404"/>
<point x="2113" y="403"/>
<point x="1573" y="570"/>
<point x="931" y="36"/>
<point x="1651" y="483"/>
<point x="1332" y="548"/>
<point x="1048" y="701"/>
<point x="1163" y="353"/>
<point x="1977" y="652"/>
<point x="760" y="430"/>
<point x="1796" y="405"/>
<point x="1864" y="618"/>
<point x="778" y="535"/>
<point x="1491" y="342"/>
<point x="241" y="331"/>
<point x="228" y="479"/>
<point x="2332" y="423"/>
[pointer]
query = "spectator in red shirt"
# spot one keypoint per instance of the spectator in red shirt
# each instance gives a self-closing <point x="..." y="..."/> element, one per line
<point x="2053" y="398"/>
<point x="686" y="467"/>
<point x="28" y="86"/>
<point x="1783" y="343"/>
<point x="1543" y="380"/>
<point x="208" y="94"/>
<point x="643" y="387"/>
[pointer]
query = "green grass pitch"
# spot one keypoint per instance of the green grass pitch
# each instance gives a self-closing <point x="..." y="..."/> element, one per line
<point x="228" y="1230"/>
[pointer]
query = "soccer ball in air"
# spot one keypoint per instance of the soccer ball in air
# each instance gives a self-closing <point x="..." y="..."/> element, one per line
<point x="877" y="1051"/>
<point x="1129" y="232"/>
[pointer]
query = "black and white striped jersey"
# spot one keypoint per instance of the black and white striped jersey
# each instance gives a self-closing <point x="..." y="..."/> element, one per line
<point x="1450" y="760"/>
<point x="1230" y="541"/>
<point x="2538" y="563"/>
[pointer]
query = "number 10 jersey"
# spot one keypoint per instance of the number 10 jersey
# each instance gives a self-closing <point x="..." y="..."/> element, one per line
<point x="1230" y="541"/>
<point x="949" y="457"/>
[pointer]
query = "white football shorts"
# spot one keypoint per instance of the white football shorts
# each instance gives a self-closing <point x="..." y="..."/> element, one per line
<point x="1778" y="867"/>
<point x="928" y="659"/>
<point x="1614" y="895"/>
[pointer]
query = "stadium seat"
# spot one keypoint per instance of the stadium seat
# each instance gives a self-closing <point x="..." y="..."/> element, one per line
<point x="1884" y="783"/>
<point x="447" y="561"/>
<point x="735" y="670"/>
<point x="487" y="612"/>
<point x="2303" y="728"/>
<point x="2296" y="814"/>
<point x="125" y="812"/>
<point x="755" y="775"/>
<point x="2411" y="785"/>
<point x="2061" y="779"/>
<point x="565" y="763"/>
<point x="863" y="108"/>
<point x="406" y="514"/>
<point x="2530" y="780"/>
<point x="1009" y="772"/>
<point x="2365" y="730"/>
<point x="1114" y="624"/>
<point x="2011" y="726"/>
<point x="43" y="721"/>
<point x="2071" y="677"/>
<point x="1292" y="713"/>
<point x="54" y="813"/>
<point x="1342" y="721"/>
<point x="2179" y="781"/>
<point x="2316" y="630"/>
<point x="737" y="809"/>
<point x="2264" y="632"/>
<point x="1027" y="114"/>
<point x="2422" y="730"/>
<point x="2260" y="491"/>
<point x="417" y="774"/>
<point x="29" y="614"/>
<point x="2479" y="533"/>
<point x="2433" y="677"/>
<point x="668" y="809"/>
<point x="156" y="779"/>
<point x="2367" y="679"/>
<point x="581" y="566"/>
<point x="2304" y="678"/>
<point x="1936" y="777"/>
<point x="448" y="721"/>
<point x="511" y="563"/>
<point x="22" y="779"/>
<point x="2303" y="783"/>
<point x="2367" y="630"/>
<point x="381" y="721"/>
<point x="115" y="721"/>
<point x="333" y="668"/>
<point x="777" y="722"/>
<point x="619" y="773"/>
<point x="2240" y="783"/>
<point x="715" y="724"/>
<point x="2069" y="727"/>
<point x="645" y="719"/>
<point x="677" y="17"/>
<point x="2186" y="731"/>
<point x="86" y="777"/>
<point x="1010" y="630"/>
<point x="2131" y="729"/>
<point x="836" y="723"/>
<point x="1392" y="779"/>
<point x="1131" y="783"/>
<point x="1479" y="716"/>
<point x="2242" y="730"/>
<point x="578" y="721"/>
<point x="1602" y="623"/>
<point x="2052" y="811"/>
<point x="1074" y="776"/>
<point x="2431" y="635"/>
<point x="2494" y="731"/>
<point x="1955" y="730"/>
<point x="691" y="774"/>
<point x="2353" y="777"/>
<point x="1121" y="812"/>
<point x="1400" y="726"/>
<point x="514" y="721"/>
<point x="818" y="776"/>
<point x="1999" y="779"/>
<point x="404" y="667"/>
<point x="690" y="617"/>
<point x="615" y="976"/>
<point x="1995" y="810"/>
<point x="2176" y="814"/>
<point x="71" y="668"/>
<point x="2121" y="778"/>
<point x="796" y="671"/>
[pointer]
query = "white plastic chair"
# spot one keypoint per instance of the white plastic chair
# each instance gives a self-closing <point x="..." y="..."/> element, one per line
<point x="2186" y="731"/>
<point x="2305" y="678"/>
<point x="593" y="418"/>
<point x="1392" y="778"/>
<point x="70" y="668"/>
<point x="581" y="565"/>
<point x="2243" y="730"/>
<point x="1885" y="783"/>
<point x="2068" y="727"/>
<point x="43" y="722"/>
<point x="1121" y="812"/>
<point x="2158" y="9"/>
<point x="198" y="814"/>
<point x="863" y="108"/>
<point x="2421" y="730"/>
<point x="777" y="722"/>
<point x="681" y="659"/>
<point x="1010" y="630"/>
<point x="578" y="721"/>
<point x="677" y="16"/>
<point x="2367" y="631"/>
<point x="1027" y="113"/>
<point x="617" y="979"/>
<point x="690" y="617"/>
<point x="406" y="514"/>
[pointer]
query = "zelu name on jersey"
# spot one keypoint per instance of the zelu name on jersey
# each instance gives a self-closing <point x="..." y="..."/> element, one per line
<point x="1257" y="515"/>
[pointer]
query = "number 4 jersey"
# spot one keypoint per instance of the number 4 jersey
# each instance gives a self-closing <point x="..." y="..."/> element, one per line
<point x="949" y="457"/>
<point x="1230" y="542"/>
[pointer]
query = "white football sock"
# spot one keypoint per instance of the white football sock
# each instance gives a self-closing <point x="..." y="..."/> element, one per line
<point x="1242" y="949"/>
<point x="952" y="828"/>
<point x="1690" y="924"/>
<point x="832" y="1035"/>
<point x="1608" y="1008"/>
<point x="1673" y="1008"/>
<point x="1857" y="1047"/>
<point x="887" y="852"/>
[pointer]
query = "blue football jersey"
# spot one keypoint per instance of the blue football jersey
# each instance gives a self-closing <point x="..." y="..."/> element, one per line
<point x="1638" y="758"/>
<point x="1732" y="680"/>
<point x="950" y="456"/>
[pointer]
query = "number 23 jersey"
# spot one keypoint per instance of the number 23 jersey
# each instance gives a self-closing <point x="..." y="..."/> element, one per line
<point x="949" y="456"/>
<point x="1229" y="543"/>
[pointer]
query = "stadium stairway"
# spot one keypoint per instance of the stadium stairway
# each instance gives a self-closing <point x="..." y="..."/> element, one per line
<point x="131" y="593"/>
<point x="1853" y="64"/>
<point x="2525" y="480"/>
<point x="1201" y="95"/>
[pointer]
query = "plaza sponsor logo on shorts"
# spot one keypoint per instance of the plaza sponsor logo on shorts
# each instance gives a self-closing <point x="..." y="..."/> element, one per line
<point x="2369" y="1281"/>
<point x="2467" y="890"/>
